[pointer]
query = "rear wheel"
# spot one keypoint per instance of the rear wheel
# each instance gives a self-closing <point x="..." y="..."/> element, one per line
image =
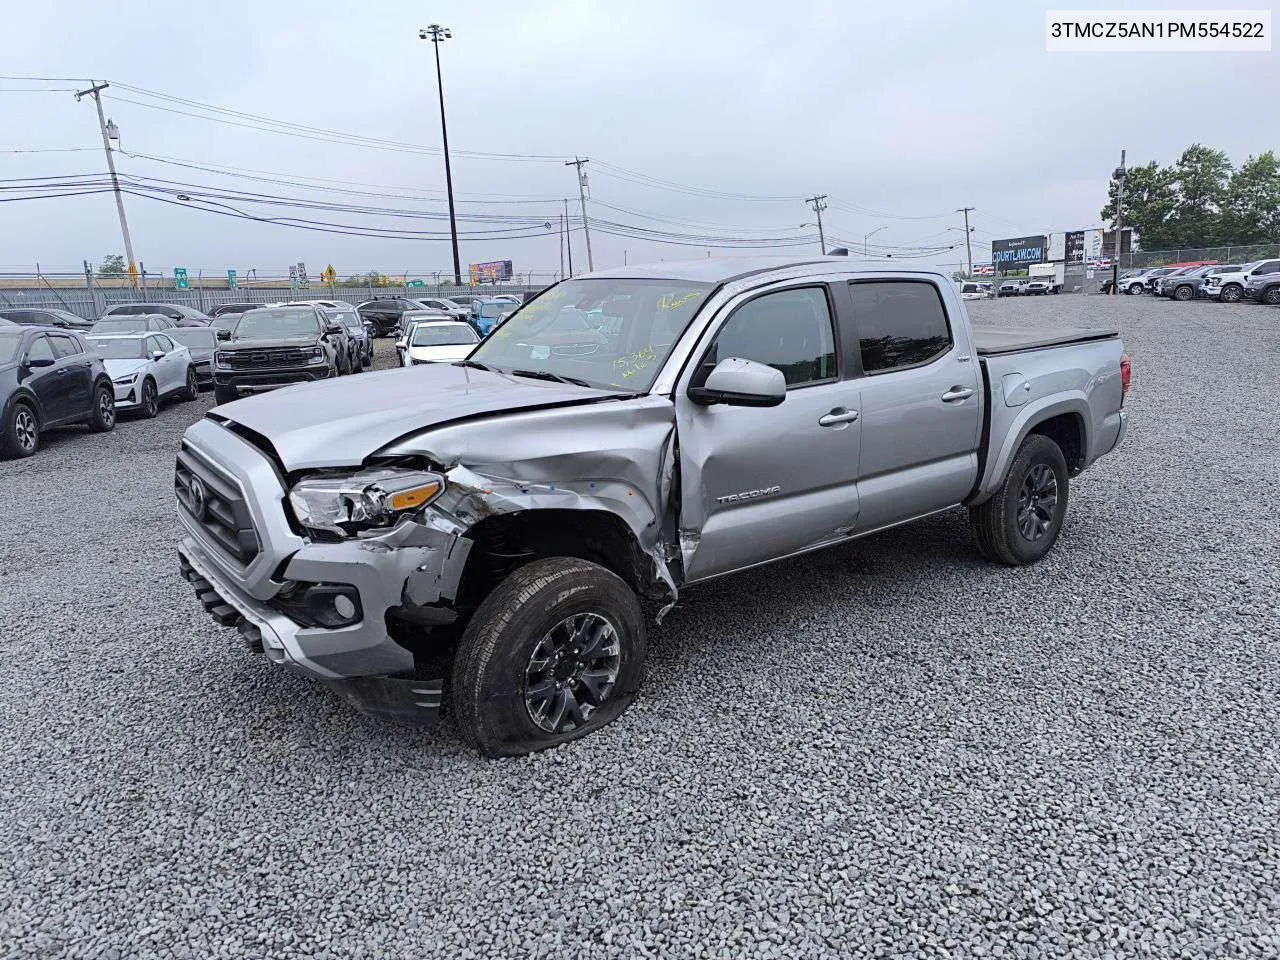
<point x="150" y="405"/>
<point x="1022" y="520"/>
<point x="225" y="394"/>
<point x="553" y="653"/>
<point x="1271" y="295"/>
<point x="21" y="432"/>
<point x="192" y="390"/>
<point x="103" y="416"/>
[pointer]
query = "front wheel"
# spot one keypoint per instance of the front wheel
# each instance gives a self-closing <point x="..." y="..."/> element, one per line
<point x="553" y="653"/>
<point x="103" y="416"/>
<point x="1183" y="294"/>
<point x="1231" y="293"/>
<point x="1022" y="520"/>
<point x="21" y="432"/>
<point x="150" y="405"/>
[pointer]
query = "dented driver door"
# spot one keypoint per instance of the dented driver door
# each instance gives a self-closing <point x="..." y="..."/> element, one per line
<point x="758" y="483"/>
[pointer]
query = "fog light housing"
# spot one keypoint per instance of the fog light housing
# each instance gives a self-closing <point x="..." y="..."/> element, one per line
<point x="330" y="605"/>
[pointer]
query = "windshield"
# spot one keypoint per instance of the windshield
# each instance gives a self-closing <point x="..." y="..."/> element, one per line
<point x="9" y="342"/>
<point x="612" y="333"/>
<point x="492" y="309"/>
<point x="194" y="336"/>
<point x="119" y="348"/>
<point x="442" y="335"/>
<point x="350" y="319"/>
<point x="268" y="324"/>
<point x="120" y="325"/>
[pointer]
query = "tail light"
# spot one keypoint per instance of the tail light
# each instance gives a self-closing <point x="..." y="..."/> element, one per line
<point x="1126" y="375"/>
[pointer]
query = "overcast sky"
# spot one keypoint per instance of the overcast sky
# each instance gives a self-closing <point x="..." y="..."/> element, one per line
<point x="895" y="110"/>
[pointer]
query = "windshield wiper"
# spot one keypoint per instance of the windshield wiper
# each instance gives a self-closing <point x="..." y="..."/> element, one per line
<point x="474" y="363"/>
<point x="555" y="377"/>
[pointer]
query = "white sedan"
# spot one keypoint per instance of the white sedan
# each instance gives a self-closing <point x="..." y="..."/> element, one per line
<point x="147" y="368"/>
<point x="436" y="341"/>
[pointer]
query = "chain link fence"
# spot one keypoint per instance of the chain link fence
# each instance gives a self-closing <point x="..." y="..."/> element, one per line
<point x="1233" y="253"/>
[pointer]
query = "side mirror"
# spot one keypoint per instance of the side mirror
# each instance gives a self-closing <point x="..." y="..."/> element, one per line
<point x="741" y="383"/>
<point x="157" y="354"/>
<point x="224" y="333"/>
<point x="40" y="362"/>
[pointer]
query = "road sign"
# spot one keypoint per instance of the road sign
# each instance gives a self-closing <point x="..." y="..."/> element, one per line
<point x="330" y="275"/>
<point x="231" y="279"/>
<point x="293" y="276"/>
<point x="180" y="278"/>
<point x="302" y="275"/>
<point x="415" y="283"/>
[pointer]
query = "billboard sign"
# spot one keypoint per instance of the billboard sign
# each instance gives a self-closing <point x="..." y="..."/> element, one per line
<point x="1057" y="247"/>
<point x="1018" y="252"/>
<point x="1075" y="246"/>
<point x="490" y="272"/>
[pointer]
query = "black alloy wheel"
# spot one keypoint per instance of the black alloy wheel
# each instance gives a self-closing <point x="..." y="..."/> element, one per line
<point x="571" y="672"/>
<point x="103" y="416"/>
<point x="150" y="399"/>
<point x="1183" y="293"/>
<point x="192" y="391"/>
<point x="22" y="432"/>
<point x="1037" y="502"/>
<point x="1271" y="295"/>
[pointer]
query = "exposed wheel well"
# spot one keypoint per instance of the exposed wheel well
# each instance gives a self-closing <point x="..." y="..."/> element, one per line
<point x="503" y="543"/>
<point x="1067" y="431"/>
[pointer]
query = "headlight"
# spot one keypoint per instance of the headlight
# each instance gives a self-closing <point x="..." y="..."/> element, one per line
<point x="125" y="381"/>
<point x="347" y="503"/>
<point x="221" y="361"/>
<point x="317" y="356"/>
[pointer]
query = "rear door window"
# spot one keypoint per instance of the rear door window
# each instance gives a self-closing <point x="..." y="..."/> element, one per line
<point x="63" y="346"/>
<point x="901" y="323"/>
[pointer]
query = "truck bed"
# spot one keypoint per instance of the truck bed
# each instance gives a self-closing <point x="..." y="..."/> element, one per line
<point x="992" y="341"/>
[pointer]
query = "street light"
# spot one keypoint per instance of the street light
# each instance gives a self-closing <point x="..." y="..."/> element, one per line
<point x="437" y="35"/>
<point x="868" y="236"/>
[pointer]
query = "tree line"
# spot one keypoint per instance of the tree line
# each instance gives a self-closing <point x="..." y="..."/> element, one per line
<point x="1201" y="200"/>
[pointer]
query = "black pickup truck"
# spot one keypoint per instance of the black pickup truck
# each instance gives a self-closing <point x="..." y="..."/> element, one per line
<point x="276" y="346"/>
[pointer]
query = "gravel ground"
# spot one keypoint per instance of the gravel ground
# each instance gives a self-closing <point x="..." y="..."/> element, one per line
<point x="888" y="749"/>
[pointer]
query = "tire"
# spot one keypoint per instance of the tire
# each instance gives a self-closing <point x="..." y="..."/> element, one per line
<point x="1231" y="293"/>
<point x="192" y="389"/>
<point x="102" y="417"/>
<point x="1270" y="296"/>
<point x="149" y="403"/>
<point x="998" y="524"/>
<point x="21" y="436"/>
<point x="224" y="394"/>
<point x="1183" y="293"/>
<point x="1133" y="289"/>
<point x="534" y="611"/>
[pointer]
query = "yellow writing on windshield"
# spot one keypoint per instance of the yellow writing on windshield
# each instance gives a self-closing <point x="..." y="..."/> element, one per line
<point x="634" y="363"/>
<point x="674" y="301"/>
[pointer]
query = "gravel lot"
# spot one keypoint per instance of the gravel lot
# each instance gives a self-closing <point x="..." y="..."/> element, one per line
<point x="889" y="749"/>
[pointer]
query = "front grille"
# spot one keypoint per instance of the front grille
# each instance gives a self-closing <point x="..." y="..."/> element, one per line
<point x="268" y="357"/>
<point x="215" y="503"/>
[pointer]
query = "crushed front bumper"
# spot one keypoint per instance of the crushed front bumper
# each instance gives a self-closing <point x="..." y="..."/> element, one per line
<point x="408" y="569"/>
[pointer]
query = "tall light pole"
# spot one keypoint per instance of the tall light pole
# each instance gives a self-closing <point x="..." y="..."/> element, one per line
<point x="95" y="91"/>
<point x="819" y="203"/>
<point x="968" y="248"/>
<point x="1122" y="173"/>
<point x="868" y="236"/>
<point x="437" y="35"/>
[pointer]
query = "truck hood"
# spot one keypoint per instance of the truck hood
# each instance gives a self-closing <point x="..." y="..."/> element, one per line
<point x="341" y="421"/>
<point x="308" y="341"/>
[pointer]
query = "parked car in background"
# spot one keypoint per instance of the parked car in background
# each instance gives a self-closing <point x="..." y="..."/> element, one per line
<point x="147" y="369"/>
<point x="974" y="290"/>
<point x="1189" y="285"/>
<point x="1039" y="286"/>
<point x="46" y="317"/>
<point x="134" y="323"/>
<point x="489" y="313"/>
<point x="201" y="343"/>
<point x="49" y="378"/>
<point x="436" y="341"/>
<point x="1149" y="279"/>
<point x="223" y="309"/>
<point x="276" y="346"/>
<point x="458" y="311"/>
<point x="179" y="315"/>
<point x="359" y="335"/>
<point x="1229" y="287"/>
<point x="383" y="313"/>
<point x="1263" y="287"/>
<point x="1131" y="283"/>
<point x="1009" y="288"/>
<point x="421" y="537"/>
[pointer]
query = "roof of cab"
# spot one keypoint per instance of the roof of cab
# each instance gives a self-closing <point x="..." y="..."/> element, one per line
<point x="727" y="269"/>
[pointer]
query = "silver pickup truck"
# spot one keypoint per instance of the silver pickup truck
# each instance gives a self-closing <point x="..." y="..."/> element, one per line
<point x="481" y="535"/>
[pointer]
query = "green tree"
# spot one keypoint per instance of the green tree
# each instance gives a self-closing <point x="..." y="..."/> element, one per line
<point x="113" y="265"/>
<point x="1252" y="213"/>
<point x="1201" y="175"/>
<point x="1150" y="200"/>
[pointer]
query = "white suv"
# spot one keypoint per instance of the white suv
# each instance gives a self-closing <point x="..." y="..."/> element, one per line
<point x="1230" y="287"/>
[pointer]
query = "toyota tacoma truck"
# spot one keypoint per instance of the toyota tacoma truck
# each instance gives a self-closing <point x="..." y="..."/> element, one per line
<point x="490" y="536"/>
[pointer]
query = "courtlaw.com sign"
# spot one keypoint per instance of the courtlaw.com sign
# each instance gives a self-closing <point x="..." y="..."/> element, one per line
<point x="1018" y="252"/>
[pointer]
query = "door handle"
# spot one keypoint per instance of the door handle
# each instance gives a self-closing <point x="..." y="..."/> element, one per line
<point x="956" y="394"/>
<point x="837" y="416"/>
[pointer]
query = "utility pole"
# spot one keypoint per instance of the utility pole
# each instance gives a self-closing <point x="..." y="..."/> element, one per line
<point x="582" y="196"/>
<point x="438" y="35"/>
<point x="968" y="247"/>
<point x="561" y="274"/>
<point x="819" y="203"/>
<point x="568" y="236"/>
<point x="1122" y="173"/>
<point x="95" y="91"/>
